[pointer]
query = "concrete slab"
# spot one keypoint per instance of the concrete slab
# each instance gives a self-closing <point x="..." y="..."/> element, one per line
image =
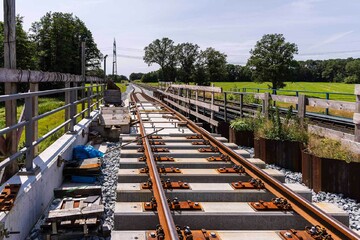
<point x="129" y="207"/>
<point x="257" y="162"/>
<point x="276" y="174"/>
<point x="335" y="211"/>
<point x="191" y="175"/>
<point x="233" y="207"/>
<point x="240" y="218"/>
<point x="249" y="235"/>
<point x="128" y="235"/>
<point x="183" y="145"/>
<point x="211" y="187"/>
<point x="243" y="153"/>
<point x="224" y="235"/>
<point x="215" y="215"/>
<point x="206" y="192"/>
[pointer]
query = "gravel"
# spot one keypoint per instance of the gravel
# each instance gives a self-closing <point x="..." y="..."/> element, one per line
<point x="347" y="204"/>
<point x="108" y="181"/>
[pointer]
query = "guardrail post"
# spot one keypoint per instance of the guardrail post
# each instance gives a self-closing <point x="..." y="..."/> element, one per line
<point x="196" y="106"/>
<point x="265" y="104"/>
<point x="89" y="93"/>
<point x="29" y="134"/>
<point x="356" y="118"/>
<point x="327" y="98"/>
<point x="241" y="105"/>
<point x="225" y="108"/>
<point x="301" y="107"/>
<point x="97" y="96"/>
<point x="212" y="104"/>
<point x="297" y="105"/>
<point x="67" y="101"/>
<point x="34" y="87"/>
<point x="73" y="108"/>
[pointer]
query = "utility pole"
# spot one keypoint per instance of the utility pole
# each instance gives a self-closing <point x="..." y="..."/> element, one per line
<point x="10" y="88"/>
<point x="114" y="71"/>
<point x="105" y="66"/>
<point x="83" y="66"/>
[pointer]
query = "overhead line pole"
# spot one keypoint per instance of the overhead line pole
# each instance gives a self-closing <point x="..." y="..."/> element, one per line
<point x="10" y="88"/>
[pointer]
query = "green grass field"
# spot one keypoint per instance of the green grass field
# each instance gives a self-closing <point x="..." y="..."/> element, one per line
<point x="337" y="91"/>
<point x="332" y="88"/>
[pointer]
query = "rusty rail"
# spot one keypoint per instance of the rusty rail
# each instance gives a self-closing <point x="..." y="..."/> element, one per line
<point x="311" y="213"/>
<point x="165" y="218"/>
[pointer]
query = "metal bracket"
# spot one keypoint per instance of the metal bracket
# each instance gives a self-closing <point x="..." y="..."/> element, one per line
<point x="234" y="169"/>
<point x="276" y="204"/>
<point x="34" y="171"/>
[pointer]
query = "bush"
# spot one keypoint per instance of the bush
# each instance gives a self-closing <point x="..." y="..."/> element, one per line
<point x="242" y="124"/>
<point x="290" y="128"/>
<point x="329" y="148"/>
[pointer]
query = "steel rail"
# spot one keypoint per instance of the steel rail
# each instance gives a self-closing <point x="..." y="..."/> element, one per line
<point x="165" y="218"/>
<point x="311" y="213"/>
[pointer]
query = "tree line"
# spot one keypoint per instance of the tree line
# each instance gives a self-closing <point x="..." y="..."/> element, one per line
<point x="272" y="60"/>
<point x="54" y="44"/>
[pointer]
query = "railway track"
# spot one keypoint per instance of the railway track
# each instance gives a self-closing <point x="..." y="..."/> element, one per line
<point x="181" y="180"/>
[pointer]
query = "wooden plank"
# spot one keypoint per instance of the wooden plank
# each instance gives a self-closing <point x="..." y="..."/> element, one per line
<point x="74" y="213"/>
<point x="259" y="96"/>
<point x="82" y="190"/>
<point x="285" y="99"/>
<point x="205" y="118"/>
<point x="199" y="88"/>
<point x="357" y="89"/>
<point x="69" y="204"/>
<point x="332" y="104"/>
<point x="356" y="118"/>
<point x="18" y="75"/>
<point x="192" y="101"/>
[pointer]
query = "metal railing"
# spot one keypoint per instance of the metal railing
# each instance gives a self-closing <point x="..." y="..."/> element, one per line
<point x="30" y="119"/>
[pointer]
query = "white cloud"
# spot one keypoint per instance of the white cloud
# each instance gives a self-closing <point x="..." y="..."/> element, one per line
<point x="331" y="39"/>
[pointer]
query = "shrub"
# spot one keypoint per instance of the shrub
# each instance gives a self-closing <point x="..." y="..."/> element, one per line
<point x="329" y="148"/>
<point x="290" y="128"/>
<point x="242" y="124"/>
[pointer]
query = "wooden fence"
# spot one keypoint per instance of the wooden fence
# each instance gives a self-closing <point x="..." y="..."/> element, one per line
<point x="189" y="97"/>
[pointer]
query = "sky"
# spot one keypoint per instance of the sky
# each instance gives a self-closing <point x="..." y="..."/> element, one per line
<point x="322" y="29"/>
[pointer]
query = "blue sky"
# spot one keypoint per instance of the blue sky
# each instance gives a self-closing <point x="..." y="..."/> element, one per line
<point x="321" y="28"/>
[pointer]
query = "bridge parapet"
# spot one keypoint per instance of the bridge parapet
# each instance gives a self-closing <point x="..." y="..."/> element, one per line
<point x="74" y="84"/>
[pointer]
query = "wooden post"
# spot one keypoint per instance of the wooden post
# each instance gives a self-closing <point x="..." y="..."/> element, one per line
<point x="10" y="88"/>
<point x="265" y="105"/>
<point x="356" y="117"/>
<point x="225" y="109"/>
<point x="83" y="67"/>
<point x="301" y="107"/>
<point x="212" y="104"/>
<point x="241" y="105"/>
<point x="196" y="106"/>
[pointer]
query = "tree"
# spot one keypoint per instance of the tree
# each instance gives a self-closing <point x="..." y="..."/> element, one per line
<point x="353" y="71"/>
<point x="136" y="76"/>
<point x="215" y="64"/>
<point x="58" y="38"/>
<point x="272" y="60"/>
<point x="25" y="48"/>
<point x="26" y="57"/>
<point x="187" y="53"/>
<point x="162" y="52"/>
<point x="150" y="77"/>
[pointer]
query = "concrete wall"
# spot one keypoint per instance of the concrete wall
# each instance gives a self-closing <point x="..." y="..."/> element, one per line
<point x="37" y="191"/>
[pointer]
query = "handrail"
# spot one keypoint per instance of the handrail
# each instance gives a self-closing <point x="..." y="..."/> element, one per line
<point x="95" y="91"/>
